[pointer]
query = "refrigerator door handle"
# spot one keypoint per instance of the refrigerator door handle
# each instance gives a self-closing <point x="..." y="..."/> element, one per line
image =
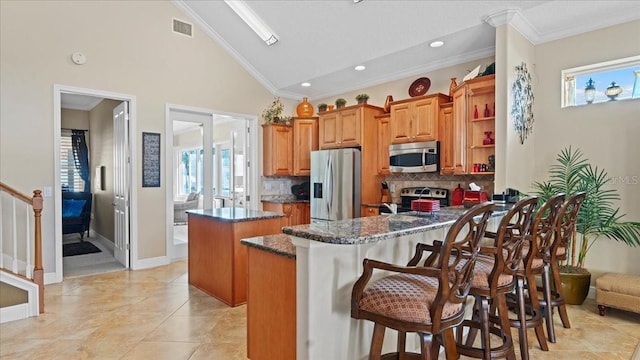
<point x="329" y="182"/>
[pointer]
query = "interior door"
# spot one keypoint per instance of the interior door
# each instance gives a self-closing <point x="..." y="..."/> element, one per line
<point x="121" y="176"/>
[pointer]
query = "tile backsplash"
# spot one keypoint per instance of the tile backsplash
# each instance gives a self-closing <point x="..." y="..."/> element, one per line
<point x="450" y="182"/>
<point x="279" y="187"/>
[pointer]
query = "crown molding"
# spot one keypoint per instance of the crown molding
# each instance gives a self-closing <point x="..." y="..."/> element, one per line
<point x="517" y="20"/>
<point x="220" y="40"/>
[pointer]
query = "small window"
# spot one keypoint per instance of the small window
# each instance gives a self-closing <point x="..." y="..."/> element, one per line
<point x="608" y="81"/>
<point x="69" y="174"/>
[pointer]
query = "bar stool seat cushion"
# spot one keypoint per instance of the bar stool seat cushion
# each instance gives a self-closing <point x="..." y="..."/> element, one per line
<point x="482" y="270"/>
<point x="406" y="297"/>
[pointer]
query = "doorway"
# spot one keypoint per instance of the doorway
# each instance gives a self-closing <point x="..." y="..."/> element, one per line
<point x="108" y="120"/>
<point x="220" y="176"/>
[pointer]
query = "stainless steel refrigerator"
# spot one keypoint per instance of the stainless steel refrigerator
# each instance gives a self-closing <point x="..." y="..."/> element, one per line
<point x="335" y="184"/>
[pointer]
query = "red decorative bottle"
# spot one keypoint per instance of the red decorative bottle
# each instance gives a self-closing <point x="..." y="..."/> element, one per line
<point x="486" y="110"/>
<point x="475" y="111"/>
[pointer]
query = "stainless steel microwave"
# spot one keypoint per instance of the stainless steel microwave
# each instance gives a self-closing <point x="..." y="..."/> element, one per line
<point x="419" y="157"/>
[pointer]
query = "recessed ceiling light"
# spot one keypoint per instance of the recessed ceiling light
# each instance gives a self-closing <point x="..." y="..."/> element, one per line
<point x="436" y="44"/>
<point x="360" y="67"/>
<point x="305" y="84"/>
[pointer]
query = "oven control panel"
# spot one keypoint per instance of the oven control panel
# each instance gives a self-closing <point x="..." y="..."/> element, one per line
<point x="425" y="193"/>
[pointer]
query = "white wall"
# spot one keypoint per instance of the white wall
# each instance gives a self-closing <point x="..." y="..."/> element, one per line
<point x="101" y="134"/>
<point x="130" y="49"/>
<point x="74" y="119"/>
<point x="607" y="133"/>
<point x="514" y="160"/>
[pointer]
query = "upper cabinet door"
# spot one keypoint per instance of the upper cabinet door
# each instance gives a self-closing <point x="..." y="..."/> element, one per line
<point x="445" y="136"/>
<point x="305" y="140"/>
<point x="350" y="128"/>
<point x="277" y="145"/>
<point x="425" y="119"/>
<point x="328" y="131"/>
<point x="400" y="123"/>
<point x="383" y="145"/>
<point x="460" y="130"/>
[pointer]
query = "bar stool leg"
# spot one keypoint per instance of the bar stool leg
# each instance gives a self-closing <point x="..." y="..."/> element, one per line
<point x="376" y="342"/>
<point x="535" y="303"/>
<point x="402" y="340"/>
<point x="548" y="313"/>
<point x="522" y="329"/>
<point x="562" y="309"/>
<point x="450" y="349"/>
<point x="484" y="322"/>
<point x="503" y="313"/>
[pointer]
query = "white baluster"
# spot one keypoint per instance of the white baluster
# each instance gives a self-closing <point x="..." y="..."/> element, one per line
<point x="14" y="236"/>
<point x="28" y="270"/>
<point x="1" y="237"/>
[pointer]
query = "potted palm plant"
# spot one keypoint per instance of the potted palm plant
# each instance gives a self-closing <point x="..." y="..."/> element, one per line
<point x="598" y="217"/>
<point x="340" y="103"/>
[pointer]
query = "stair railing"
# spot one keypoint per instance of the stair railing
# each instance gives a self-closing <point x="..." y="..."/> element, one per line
<point x="23" y="255"/>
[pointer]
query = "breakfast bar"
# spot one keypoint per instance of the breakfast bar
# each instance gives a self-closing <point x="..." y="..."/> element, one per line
<point x="329" y="257"/>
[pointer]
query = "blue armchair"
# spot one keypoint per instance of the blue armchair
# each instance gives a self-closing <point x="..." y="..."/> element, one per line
<point x="76" y="212"/>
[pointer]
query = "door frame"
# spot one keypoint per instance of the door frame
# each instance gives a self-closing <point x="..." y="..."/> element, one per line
<point x="58" y="90"/>
<point x="252" y="145"/>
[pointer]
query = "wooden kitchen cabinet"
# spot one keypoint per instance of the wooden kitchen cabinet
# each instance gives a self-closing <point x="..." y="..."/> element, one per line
<point x="296" y="213"/>
<point x="415" y="119"/>
<point x="446" y="138"/>
<point x="459" y="124"/>
<point x="340" y="128"/>
<point x="278" y="149"/>
<point x="480" y="95"/>
<point x="369" y="211"/>
<point x="383" y="144"/>
<point x="305" y="140"/>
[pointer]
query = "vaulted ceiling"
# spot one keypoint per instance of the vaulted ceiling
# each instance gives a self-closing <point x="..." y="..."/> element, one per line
<point x="320" y="42"/>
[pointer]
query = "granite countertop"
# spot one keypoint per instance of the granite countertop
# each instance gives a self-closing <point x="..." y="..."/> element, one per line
<point x="376" y="228"/>
<point x="235" y="214"/>
<point x="284" y="201"/>
<point x="279" y="244"/>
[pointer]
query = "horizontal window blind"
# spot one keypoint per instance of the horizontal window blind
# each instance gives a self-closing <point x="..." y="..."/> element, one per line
<point x="69" y="175"/>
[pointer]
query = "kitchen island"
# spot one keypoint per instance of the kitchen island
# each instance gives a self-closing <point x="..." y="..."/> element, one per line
<point x="329" y="257"/>
<point x="217" y="262"/>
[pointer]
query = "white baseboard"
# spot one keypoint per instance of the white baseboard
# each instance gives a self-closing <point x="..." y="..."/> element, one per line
<point x="150" y="263"/>
<point x="22" y="311"/>
<point x="15" y="312"/>
<point x="103" y="240"/>
<point x="51" y="278"/>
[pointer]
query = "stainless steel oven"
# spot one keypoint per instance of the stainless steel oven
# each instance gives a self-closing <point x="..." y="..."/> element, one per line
<point x="420" y="157"/>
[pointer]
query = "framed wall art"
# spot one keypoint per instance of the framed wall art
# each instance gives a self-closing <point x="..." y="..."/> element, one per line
<point x="150" y="159"/>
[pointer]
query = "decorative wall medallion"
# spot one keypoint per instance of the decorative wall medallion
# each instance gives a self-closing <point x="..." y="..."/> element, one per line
<point x="522" y="105"/>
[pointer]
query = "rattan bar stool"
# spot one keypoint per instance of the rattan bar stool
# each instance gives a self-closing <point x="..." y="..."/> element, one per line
<point x="565" y="229"/>
<point x="540" y="239"/>
<point x="427" y="300"/>
<point x="494" y="277"/>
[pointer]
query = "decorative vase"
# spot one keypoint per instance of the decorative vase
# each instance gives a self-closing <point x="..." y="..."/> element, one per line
<point x="575" y="287"/>
<point x="387" y="104"/>
<point x="305" y="108"/>
<point x="488" y="140"/>
<point x="452" y="86"/>
<point x="330" y="107"/>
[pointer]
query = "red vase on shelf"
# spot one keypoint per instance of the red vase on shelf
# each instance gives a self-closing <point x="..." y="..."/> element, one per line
<point x="488" y="140"/>
<point x="486" y="110"/>
<point x="475" y="111"/>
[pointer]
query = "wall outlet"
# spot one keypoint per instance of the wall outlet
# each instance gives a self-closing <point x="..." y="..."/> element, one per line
<point x="281" y="186"/>
<point x="392" y="188"/>
<point x="267" y="185"/>
<point x="46" y="191"/>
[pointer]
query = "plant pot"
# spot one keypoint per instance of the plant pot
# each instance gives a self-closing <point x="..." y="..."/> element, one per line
<point x="575" y="286"/>
<point x="362" y="101"/>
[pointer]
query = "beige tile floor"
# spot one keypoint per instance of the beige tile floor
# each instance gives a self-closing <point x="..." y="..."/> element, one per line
<point x="155" y="314"/>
